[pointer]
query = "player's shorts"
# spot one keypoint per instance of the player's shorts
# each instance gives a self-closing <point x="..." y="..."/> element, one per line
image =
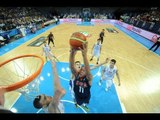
<point x="81" y="100"/>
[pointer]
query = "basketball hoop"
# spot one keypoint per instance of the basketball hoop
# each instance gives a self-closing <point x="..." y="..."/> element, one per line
<point x="21" y="76"/>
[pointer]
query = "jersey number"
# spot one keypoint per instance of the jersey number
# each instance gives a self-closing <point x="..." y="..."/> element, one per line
<point x="81" y="89"/>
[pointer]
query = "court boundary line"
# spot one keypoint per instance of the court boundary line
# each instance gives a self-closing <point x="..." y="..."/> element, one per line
<point x="136" y="40"/>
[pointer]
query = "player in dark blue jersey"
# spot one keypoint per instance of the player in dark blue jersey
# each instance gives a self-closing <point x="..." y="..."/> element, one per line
<point x="83" y="78"/>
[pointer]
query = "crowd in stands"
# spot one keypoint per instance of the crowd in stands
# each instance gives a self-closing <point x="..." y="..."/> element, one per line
<point x="92" y="16"/>
<point x="11" y="17"/>
<point x="148" y="20"/>
<point x="151" y="16"/>
<point x="28" y="17"/>
<point x="22" y="19"/>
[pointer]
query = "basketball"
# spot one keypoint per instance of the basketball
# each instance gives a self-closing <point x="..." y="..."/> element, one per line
<point x="77" y="39"/>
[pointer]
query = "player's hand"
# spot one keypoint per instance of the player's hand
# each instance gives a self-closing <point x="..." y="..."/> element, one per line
<point x="107" y="59"/>
<point x="84" y="48"/>
<point x="73" y="50"/>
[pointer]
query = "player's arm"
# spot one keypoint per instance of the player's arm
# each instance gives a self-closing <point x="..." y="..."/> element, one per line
<point x="96" y="66"/>
<point x="103" y="71"/>
<point x="117" y="74"/>
<point x="92" y="48"/>
<point x="58" y="90"/>
<point x="72" y="60"/>
<point x="55" y="73"/>
<point x="86" y="63"/>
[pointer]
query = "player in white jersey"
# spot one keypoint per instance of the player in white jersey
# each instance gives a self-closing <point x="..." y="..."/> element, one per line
<point x="47" y="50"/>
<point x="48" y="103"/>
<point x="108" y="74"/>
<point x="96" y="50"/>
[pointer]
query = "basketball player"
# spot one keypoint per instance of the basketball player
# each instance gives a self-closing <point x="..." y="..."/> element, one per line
<point x="50" y="39"/>
<point x="51" y="104"/>
<point x="47" y="49"/>
<point x="78" y="66"/>
<point x="2" y="101"/>
<point x="83" y="78"/>
<point x="96" y="50"/>
<point x="157" y="44"/>
<point x="108" y="74"/>
<point x="101" y="35"/>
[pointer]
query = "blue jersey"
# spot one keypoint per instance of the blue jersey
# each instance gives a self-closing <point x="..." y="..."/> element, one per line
<point x="81" y="87"/>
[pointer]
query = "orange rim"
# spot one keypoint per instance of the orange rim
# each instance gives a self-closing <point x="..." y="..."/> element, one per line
<point x="22" y="83"/>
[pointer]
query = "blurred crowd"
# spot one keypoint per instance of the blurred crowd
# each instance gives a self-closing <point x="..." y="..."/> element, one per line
<point x="11" y="17"/>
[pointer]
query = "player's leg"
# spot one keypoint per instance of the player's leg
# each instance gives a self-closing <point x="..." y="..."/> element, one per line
<point x="98" y="59"/>
<point x="101" y="40"/>
<point x="91" y="58"/>
<point x="52" y="42"/>
<point x="49" y="41"/>
<point x="86" y="102"/>
<point x="100" y="81"/>
<point x="108" y="84"/>
<point x="157" y="47"/>
<point x="153" y="46"/>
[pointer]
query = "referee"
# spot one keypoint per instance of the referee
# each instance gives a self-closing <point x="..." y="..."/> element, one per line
<point x="101" y="35"/>
<point x="157" y="44"/>
<point x="50" y="39"/>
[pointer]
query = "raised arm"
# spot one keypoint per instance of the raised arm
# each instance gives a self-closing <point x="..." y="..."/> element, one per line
<point x="56" y="84"/>
<point x="86" y="63"/>
<point x="59" y="92"/>
<point x="96" y="66"/>
<point x="72" y="61"/>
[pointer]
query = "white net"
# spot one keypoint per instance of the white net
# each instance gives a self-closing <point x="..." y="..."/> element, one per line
<point x="31" y="90"/>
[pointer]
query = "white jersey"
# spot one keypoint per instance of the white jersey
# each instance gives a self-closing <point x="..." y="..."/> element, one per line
<point x="109" y="72"/>
<point x="60" y="108"/>
<point x="46" y="49"/>
<point x="96" y="50"/>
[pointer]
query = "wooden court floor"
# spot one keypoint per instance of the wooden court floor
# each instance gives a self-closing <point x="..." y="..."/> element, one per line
<point x="139" y="68"/>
